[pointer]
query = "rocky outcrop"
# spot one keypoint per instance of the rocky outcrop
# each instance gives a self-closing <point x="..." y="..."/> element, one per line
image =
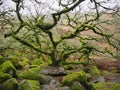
<point x="93" y="71"/>
<point x="31" y="76"/>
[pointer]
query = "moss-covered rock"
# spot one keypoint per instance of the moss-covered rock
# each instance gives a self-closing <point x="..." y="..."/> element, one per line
<point x="77" y="76"/>
<point x="93" y="70"/>
<point x="8" y="67"/>
<point x="10" y="84"/>
<point x="31" y="76"/>
<point x="105" y="86"/>
<point x="15" y="61"/>
<point x="39" y="68"/>
<point x="4" y="77"/>
<point x="88" y="76"/>
<point x="77" y="86"/>
<point x="29" y="85"/>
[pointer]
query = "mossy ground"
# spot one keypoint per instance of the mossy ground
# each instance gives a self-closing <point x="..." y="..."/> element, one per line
<point x="106" y="86"/>
<point x="30" y="76"/>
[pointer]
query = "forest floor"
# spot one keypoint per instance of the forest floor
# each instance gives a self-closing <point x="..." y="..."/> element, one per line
<point x="110" y="70"/>
<point x="113" y="67"/>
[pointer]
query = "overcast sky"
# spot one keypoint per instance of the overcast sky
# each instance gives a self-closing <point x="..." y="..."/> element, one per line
<point x="54" y="5"/>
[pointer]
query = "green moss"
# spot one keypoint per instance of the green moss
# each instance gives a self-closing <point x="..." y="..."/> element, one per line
<point x="68" y="62"/>
<point x="16" y="63"/>
<point x="1" y="59"/>
<point x="106" y="86"/>
<point x="24" y="62"/>
<point x="31" y="76"/>
<point x="29" y="85"/>
<point x="39" y="68"/>
<point x="70" y="67"/>
<point x="95" y="73"/>
<point x="69" y="79"/>
<point x="8" y="67"/>
<point x="13" y="60"/>
<point x="41" y="60"/>
<point x="37" y="61"/>
<point x="78" y="76"/>
<point x="33" y="66"/>
<point x="105" y="73"/>
<point x="10" y="84"/>
<point x="4" y="77"/>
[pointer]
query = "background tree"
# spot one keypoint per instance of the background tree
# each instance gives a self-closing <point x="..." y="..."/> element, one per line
<point x="42" y="34"/>
<point x="6" y="22"/>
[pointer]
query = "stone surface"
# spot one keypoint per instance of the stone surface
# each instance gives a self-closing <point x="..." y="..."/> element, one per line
<point x="54" y="82"/>
<point x="88" y="76"/>
<point x="48" y="79"/>
<point x="64" y="88"/>
<point x="52" y="85"/>
<point x="99" y="79"/>
<point x="53" y="71"/>
<point x="49" y="87"/>
<point x="77" y="86"/>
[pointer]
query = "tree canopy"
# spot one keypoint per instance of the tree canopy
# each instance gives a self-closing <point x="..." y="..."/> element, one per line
<point x="59" y="33"/>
